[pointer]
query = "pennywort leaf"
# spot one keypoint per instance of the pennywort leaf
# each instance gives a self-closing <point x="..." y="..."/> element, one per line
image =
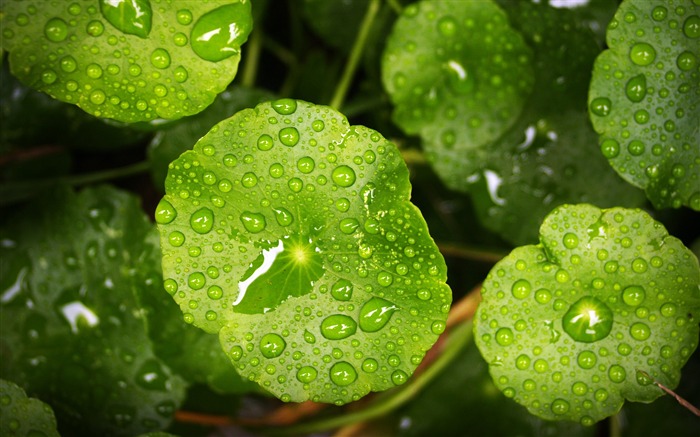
<point x="644" y="99"/>
<point x="130" y="60"/>
<point x="291" y="234"/>
<point x="458" y="75"/>
<point x="568" y="325"/>
<point x="24" y="416"/>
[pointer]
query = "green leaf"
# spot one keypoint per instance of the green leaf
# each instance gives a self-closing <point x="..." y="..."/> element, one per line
<point x="458" y="75"/>
<point x="291" y="234"/>
<point x="644" y="99"/>
<point x="567" y="325"/>
<point x="130" y="60"/>
<point x="171" y="141"/>
<point x="23" y="416"/>
<point x="549" y="157"/>
<point x="75" y="269"/>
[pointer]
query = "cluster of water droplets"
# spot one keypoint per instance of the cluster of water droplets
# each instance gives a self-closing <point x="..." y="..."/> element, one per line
<point x="103" y="56"/>
<point x="649" y="129"/>
<point x="567" y="324"/>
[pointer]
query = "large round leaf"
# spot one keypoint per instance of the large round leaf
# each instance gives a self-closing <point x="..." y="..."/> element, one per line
<point x="291" y="233"/>
<point x="24" y="416"/>
<point x="458" y="75"/>
<point x="571" y="327"/>
<point x="644" y="99"/>
<point x="130" y="60"/>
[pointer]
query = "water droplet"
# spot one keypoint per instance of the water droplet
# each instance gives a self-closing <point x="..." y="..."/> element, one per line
<point x="601" y="106"/>
<point x="504" y="336"/>
<point x="196" y="280"/>
<point x="170" y="286"/>
<point x="447" y="26"/>
<point x="338" y="326"/>
<point x="151" y="376"/>
<point x="265" y="142"/>
<point x="306" y="374"/>
<point x="640" y="331"/>
<point x="459" y="78"/>
<point x="165" y="212"/>
<point x="399" y="377"/>
<point x="56" y="30"/>
<point x="272" y="345"/>
<point x="522" y="362"/>
<point x="285" y="106"/>
<point x="276" y="170"/>
<point x="375" y="314"/>
<point x="610" y="148"/>
<point x="202" y="220"/>
<point x="521" y="289"/>
<point x="283" y="216"/>
<point x="438" y="327"/>
<point x="132" y="17"/>
<point x="370" y="365"/>
<point x="309" y="337"/>
<point x="343" y="176"/>
<point x="160" y="58"/>
<point x="636" y="88"/>
<point x="184" y="17"/>
<point x="249" y="180"/>
<point x="570" y="240"/>
<point x="215" y="292"/>
<point x="560" y="406"/>
<point x="617" y="373"/>
<point x="668" y="309"/>
<point x="306" y="164"/>
<point x="253" y="222"/>
<point x="642" y="54"/>
<point x="586" y="359"/>
<point x="348" y="225"/>
<point x="342" y="290"/>
<point x="343" y="373"/>
<point x="588" y="320"/>
<point x="219" y="33"/>
<point x="633" y="295"/>
<point x="289" y="136"/>
<point x="687" y="61"/>
<point x="659" y="13"/>
<point x="691" y="26"/>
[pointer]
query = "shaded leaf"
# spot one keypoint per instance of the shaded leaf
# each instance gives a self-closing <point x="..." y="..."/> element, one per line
<point x="23" y="416"/>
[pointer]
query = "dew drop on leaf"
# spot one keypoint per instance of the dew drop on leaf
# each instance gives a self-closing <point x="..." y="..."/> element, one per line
<point x="165" y="212"/>
<point x="160" y="58"/>
<point x="601" y="106"/>
<point x="344" y="176"/>
<point x="588" y="320"/>
<point x="202" y="220"/>
<point x="338" y="326"/>
<point x="289" y="136"/>
<point x="56" y="30"/>
<point x="272" y="345"/>
<point x="219" y="33"/>
<point x="306" y="374"/>
<point x="253" y="222"/>
<point x="132" y="17"/>
<point x="375" y="314"/>
<point x="343" y="373"/>
<point x="342" y="290"/>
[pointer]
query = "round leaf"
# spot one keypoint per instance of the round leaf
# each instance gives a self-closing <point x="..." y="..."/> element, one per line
<point x="569" y="325"/>
<point x="23" y="416"/>
<point x="644" y="99"/>
<point x="130" y="60"/>
<point x="291" y="233"/>
<point x="458" y="75"/>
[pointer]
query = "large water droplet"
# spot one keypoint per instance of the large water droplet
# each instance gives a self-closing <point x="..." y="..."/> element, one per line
<point x="338" y="326"/>
<point x="219" y="33"/>
<point x="160" y="58"/>
<point x="306" y="374"/>
<point x="640" y="331"/>
<point x="56" y="30"/>
<point x="343" y="176"/>
<point x="343" y="373"/>
<point x="633" y="295"/>
<point x="560" y="406"/>
<point x="272" y="345"/>
<point x="521" y="289"/>
<point x="253" y="222"/>
<point x="588" y="320"/>
<point x="642" y="54"/>
<point x="691" y="27"/>
<point x="132" y="17"/>
<point x="601" y="106"/>
<point x="504" y="336"/>
<point x="283" y="216"/>
<point x="342" y="290"/>
<point x="375" y="314"/>
<point x="636" y="88"/>
<point x="617" y="373"/>
<point x="289" y="136"/>
<point x="202" y="220"/>
<point x="459" y="78"/>
<point x="165" y="212"/>
<point x="285" y="106"/>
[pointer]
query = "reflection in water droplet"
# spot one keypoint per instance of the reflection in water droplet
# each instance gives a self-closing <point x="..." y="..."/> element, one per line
<point x="343" y="373"/>
<point x="289" y="136"/>
<point x="636" y="88"/>
<point x="132" y="17"/>
<point x="202" y="220"/>
<point x="272" y="345"/>
<point x="642" y="54"/>
<point x="338" y="326"/>
<point x="56" y="30"/>
<point x="253" y="222"/>
<point x="219" y="33"/>
<point x="342" y="290"/>
<point x="343" y="176"/>
<point x="151" y="376"/>
<point x="306" y="374"/>
<point x="285" y="106"/>
<point x="375" y="314"/>
<point x="588" y="320"/>
<point x="601" y="106"/>
<point x="459" y="78"/>
<point x="160" y="58"/>
<point x="165" y="212"/>
<point x="633" y="295"/>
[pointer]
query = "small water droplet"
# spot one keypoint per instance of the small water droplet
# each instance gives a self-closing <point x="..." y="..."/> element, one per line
<point x="289" y="136"/>
<point x="399" y="377"/>
<point x="588" y="320"/>
<point x="691" y="27"/>
<point x="659" y="13"/>
<point x="348" y="225"/>
<point x="285" y="106"/>
<point x="272" y="345"/>
<point x="160" y="58"/>
<point x="202" y="220"/>
<point x="633" y="295"/>
<point x="306" y="374"/>
<point x="560" y="406"/>
<point x="343" y="373"/>
<point x="447" y="26"/>
<point x="636" y="88"/>
<point x="196" y="280"/>
<point x="617" y="373"/>
<point x="342" y="290"/>
<point x="343" y="176"/>
<point x="570" y="240"/>
<point x="521" y="289"/>
<point x="184" y="17"/>
<point x="132" y="17"/>
<point x="375" y="314"/>
<point x="601" y="106"/>
<point x="642" y="54"/>
<point x="309" y="337"/>
<point x="504" y="336"/>
<point x="640" y="331"/>
<point x="283" y="216"/>
<point x="306" y="164"/>
<point x="219" y="33"/>
<point x="253" y="222"/>
<point x="586" y="359"/>
<point x="215" y="292"/>
<point x="338" y="326"/>
<point x="610" y="148"/>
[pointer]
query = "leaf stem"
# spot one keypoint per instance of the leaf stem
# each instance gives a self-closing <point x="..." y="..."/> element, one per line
<point x="389" y="401"/>
<point x="396" y="6"/>
<point x="357" y="49"/>
<point x="252" y="59"/>
<point x="456" y="250"/>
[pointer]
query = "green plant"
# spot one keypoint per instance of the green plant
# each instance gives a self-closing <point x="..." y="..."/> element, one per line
<point x="298" y="255"/>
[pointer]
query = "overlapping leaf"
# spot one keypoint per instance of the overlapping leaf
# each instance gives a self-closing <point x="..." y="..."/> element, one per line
<point x="291" y="234"/>
<point x="130" y="60"/>
<point x="24" y="416"/>
<point x="571" y="327"/>
<point x="75" y="269"/>
<point x="644" y="99"/>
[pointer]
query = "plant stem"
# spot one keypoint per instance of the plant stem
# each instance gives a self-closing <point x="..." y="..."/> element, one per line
<point x="357" y="49"/>
<point x="387" y="402"/>
<point x="413" y="157"/>
<point x="451" y="249"/>
<point x="396" y="6"/>
<point x="252" y="59"/>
